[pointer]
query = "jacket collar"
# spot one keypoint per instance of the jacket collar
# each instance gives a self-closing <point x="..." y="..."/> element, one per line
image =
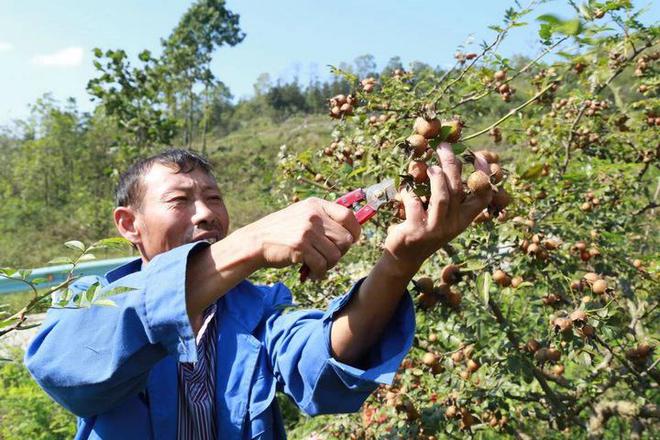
<point x="123" y="270"/>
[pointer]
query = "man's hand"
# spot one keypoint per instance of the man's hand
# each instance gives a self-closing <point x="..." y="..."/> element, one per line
<point x="314" y="231"/>
<point x="360" y="324"/>
<point x="449" y="213"/>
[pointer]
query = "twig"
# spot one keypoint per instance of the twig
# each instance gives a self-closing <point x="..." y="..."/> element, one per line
<point x="508" y="80"/>
<point x="509" y="114"/>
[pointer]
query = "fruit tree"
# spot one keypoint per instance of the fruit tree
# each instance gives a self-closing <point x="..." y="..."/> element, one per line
<point x="541" y="319"/>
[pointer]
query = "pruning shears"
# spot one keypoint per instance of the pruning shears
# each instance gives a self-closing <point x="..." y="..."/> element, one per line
<point x="374" y="196"/>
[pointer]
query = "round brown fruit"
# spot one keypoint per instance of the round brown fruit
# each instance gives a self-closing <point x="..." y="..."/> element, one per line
<point x="599" y="287"/>
<point x="455" y="127"/>
<point x="499" y="75"/>
<point x="553" y="354"/>
<point x="563" y="325"/>
<point x="417" y="169"/>
<point x="472" y="365"/>
<point x="429" y="128"/>
<point x="588" y="331"/>
<point x="558" y="370"/>
<point x="450" y="274"/>
<point x="490" y="156"/>
<point x="429" y="359"/>
<point x="451" y="412"/>
<point x="418" y="143"/>
<point x="516" y="281"/>
<point x="424" y="284"/>
<point x="501" y="278"/>
<point x="457" y="356"/>
<point x="532" y="346"/>
<point x="479" y="183"/>
<point x="578" y="316"/>
<point x="496" y="173"/>
<point x="454" y="299"/>
<point x="501" y="199"/>
<point x="591" y="277"/>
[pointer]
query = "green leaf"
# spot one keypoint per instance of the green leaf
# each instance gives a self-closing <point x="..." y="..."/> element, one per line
<point x="550" y="19"/>
<point x="444" y="132"/>
<point x="483" y="287"/>
<point x="61" y="260"/>
<point x="458" y="148"/>
<point x="112" y="243"/>
<point x="532" y="172"/>
<point x="104" y="302"/>
<point x="87" y="257"/>
<point x="75" y="244"/>
<point x="39" y="280"/>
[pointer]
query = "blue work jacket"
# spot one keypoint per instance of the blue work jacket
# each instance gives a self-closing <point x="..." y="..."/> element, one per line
<point x="116" y="367"/>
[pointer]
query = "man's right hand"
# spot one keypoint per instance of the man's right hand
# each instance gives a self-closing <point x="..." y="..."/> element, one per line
<point x="315" y="232"/>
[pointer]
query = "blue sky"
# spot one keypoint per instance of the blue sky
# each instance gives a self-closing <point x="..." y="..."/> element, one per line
<point x="45" y="46"/>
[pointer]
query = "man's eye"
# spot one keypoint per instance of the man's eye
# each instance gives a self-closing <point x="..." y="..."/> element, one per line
<point x="215" y="198"/>
<point x="180" y="199"/>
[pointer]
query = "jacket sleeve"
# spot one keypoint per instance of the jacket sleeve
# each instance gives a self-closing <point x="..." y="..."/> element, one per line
<point x="298" y="346"/>
<point x="90" y="359"/>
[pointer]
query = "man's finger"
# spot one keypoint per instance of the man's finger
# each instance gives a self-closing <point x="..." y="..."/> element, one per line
<point x="472" y="206"/>
<point x="452" y="167"/>
<point x="315" y="261"/>
<point x="439" y="201"/>
<point x="344" y="216"/>
<point x="328" y="250"/>
<point x="480" y="163"/>
<point x="340" y="236"/>
<point x="413" y="206"/>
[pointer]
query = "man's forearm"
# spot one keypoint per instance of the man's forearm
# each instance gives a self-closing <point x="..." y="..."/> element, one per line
<point x="213" y="271"/>
<point x="361" y="323"/>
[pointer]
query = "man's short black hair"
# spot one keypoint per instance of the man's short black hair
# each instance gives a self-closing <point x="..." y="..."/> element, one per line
<point x="130" y="189"/>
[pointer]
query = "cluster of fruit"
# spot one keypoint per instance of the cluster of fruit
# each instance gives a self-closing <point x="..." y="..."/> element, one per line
<point x="580" y="248"/>
<point x="341" y="105"/>
<point x="644" y="62"/>
<point x="652" y="119"/>
<point x="502" y="86"/>
<point x="538" y="246"/>
<point x="479" y="182"/>
<point x="368" y="84"/>
<point x="380" y="119"/>
<point x="594" y="106"/>
<point x="466" y="419"/>
<point x="343" y="152"/>
<point x="430" y="294"/>
<point x="590" y="202"/>
<point x="591" y="280"/>
<point x="463" y="57"/>
<point x="585" y="137"/>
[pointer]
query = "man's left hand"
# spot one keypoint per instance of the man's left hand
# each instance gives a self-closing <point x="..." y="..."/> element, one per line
<point x="450" y="211"/>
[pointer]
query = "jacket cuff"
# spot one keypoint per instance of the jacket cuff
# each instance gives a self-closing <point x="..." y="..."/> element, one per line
<point x="165" y="302"/>
<point x="385" y="357"/>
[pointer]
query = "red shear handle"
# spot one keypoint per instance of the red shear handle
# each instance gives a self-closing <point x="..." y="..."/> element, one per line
<point x="364" y="214"/>
<point x="351" y="198"/>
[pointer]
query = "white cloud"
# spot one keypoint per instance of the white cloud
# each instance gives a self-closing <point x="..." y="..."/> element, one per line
<point x="5" y="46"/>
<point x="69" y="57"/>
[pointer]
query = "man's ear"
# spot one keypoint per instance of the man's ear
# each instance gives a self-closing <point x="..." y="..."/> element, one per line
<point x="126" y="224"/>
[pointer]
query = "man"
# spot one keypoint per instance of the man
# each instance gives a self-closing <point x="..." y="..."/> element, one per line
<point x="196" y="351"/>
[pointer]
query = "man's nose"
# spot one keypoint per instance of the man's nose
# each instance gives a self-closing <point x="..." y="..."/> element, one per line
<point x="203" y="214"/>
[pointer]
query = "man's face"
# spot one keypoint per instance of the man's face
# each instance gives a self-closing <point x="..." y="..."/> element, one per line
<point x="178" y="208"/>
